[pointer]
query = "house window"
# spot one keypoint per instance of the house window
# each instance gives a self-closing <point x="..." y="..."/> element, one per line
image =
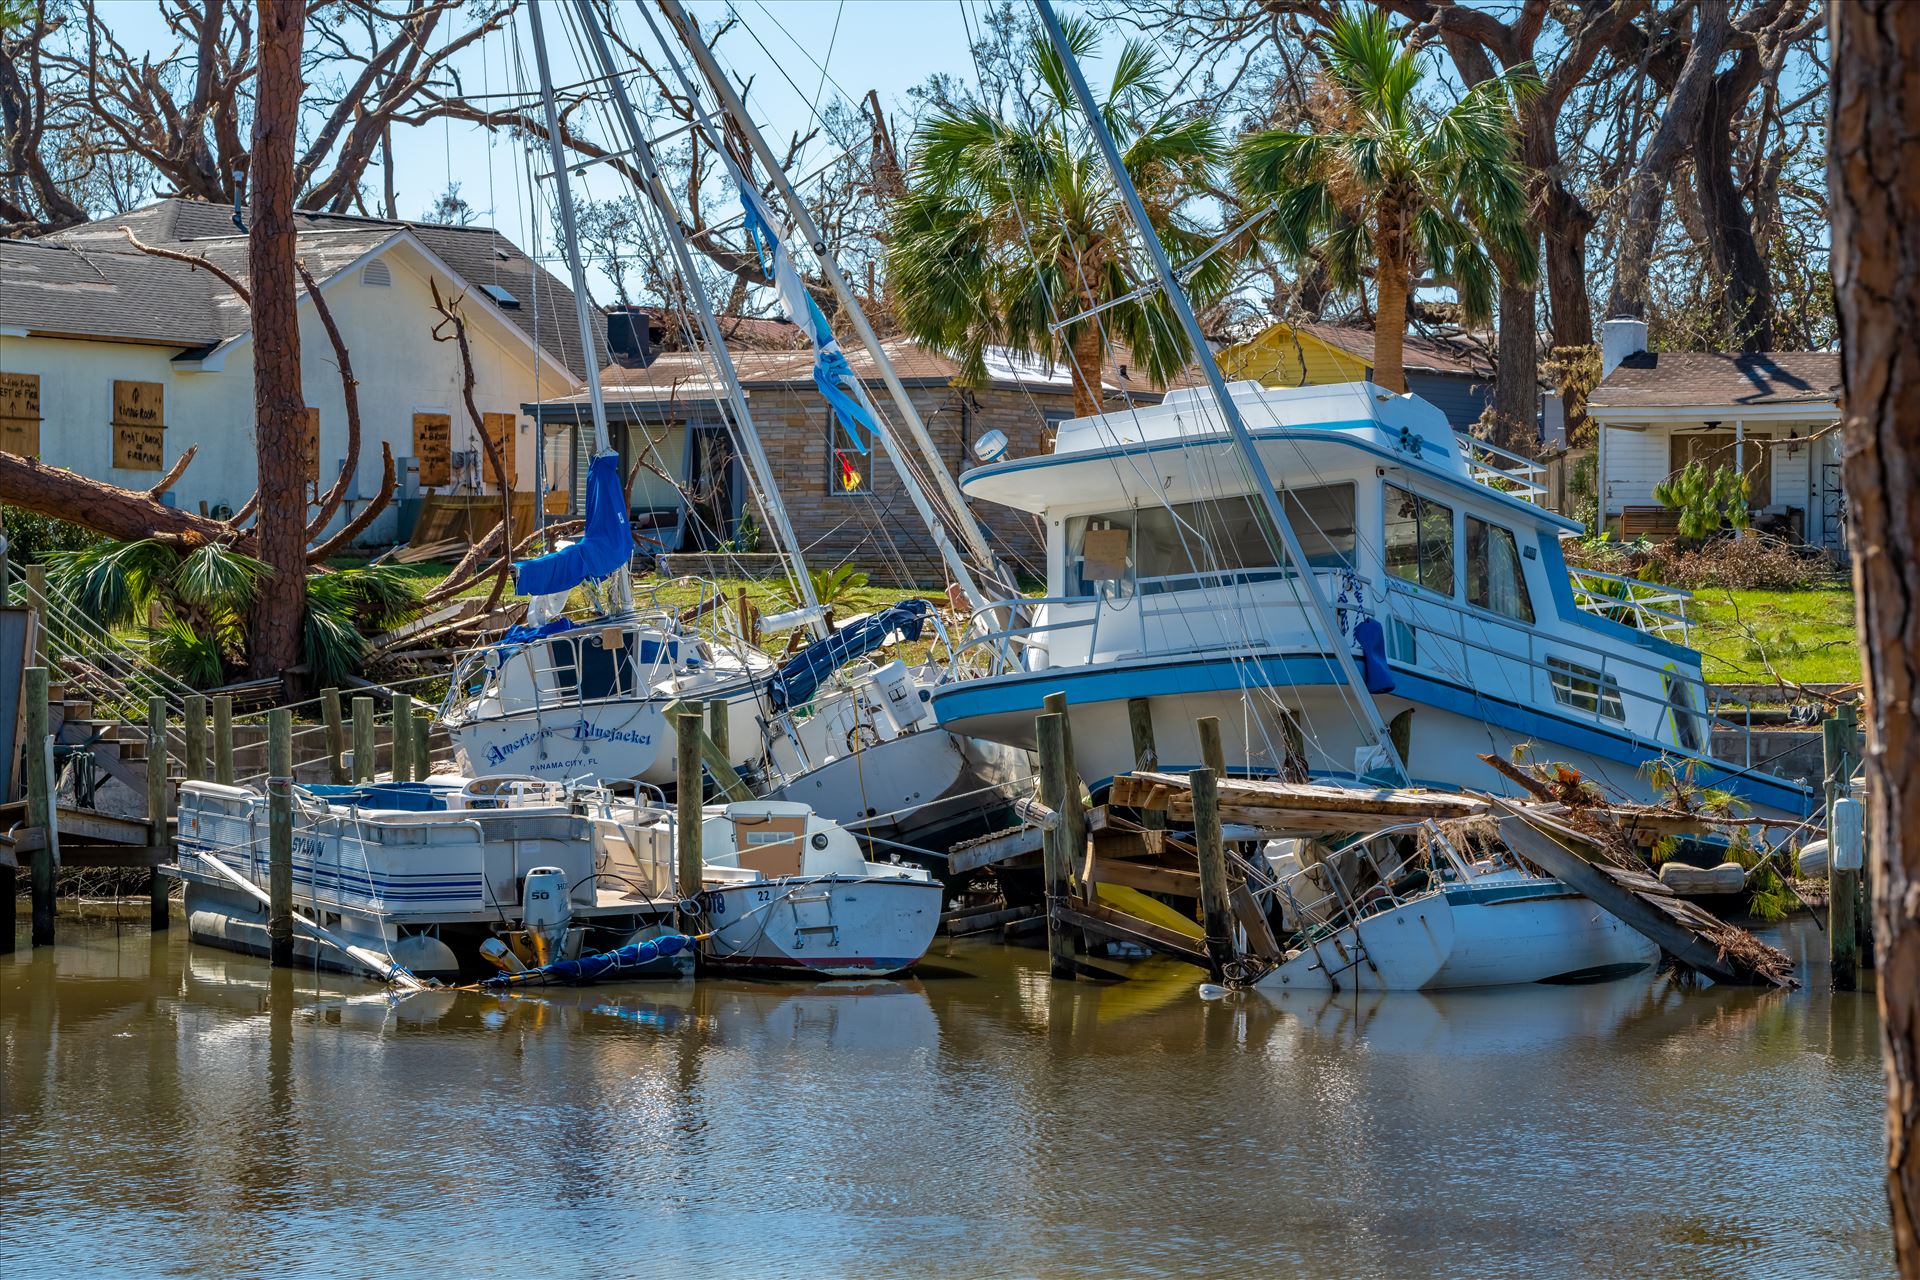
<point x="1419" y="540"/>
<point x="1585" y="689"/>
<point x="849" y="472"/>
<point x="1050" y="426"/>
<point x="1494" y="577"/>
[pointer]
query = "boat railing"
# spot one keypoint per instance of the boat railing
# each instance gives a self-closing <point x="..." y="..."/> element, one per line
<point x="1645" y="606"/>
<point x="1318" y="898"/>
<point x="1503" y="469"/>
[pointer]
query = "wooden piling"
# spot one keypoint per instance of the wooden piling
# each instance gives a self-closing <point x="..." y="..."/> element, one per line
<point x="280" y="836"/>
<point x="423" y="745"/>
<point x="39" y="803"/>
<point x="688" y="784"/>
<point x="365" y="754"/>
<point x="336" y="736"/>
<point x="223" y="739"/>
<point x="1213" y="752"/>
<point x="1057" y="784"/>
<point x="159" y="917"/>
<point x="402" y="737"/>
<point x="1073" y="806"/>
<point x="1843" y="887"/>
<point x="718" y="726"/>
<point x="1145" y="754"/>
<point x="1216" y="908"/>
<point x="194" y="767"/>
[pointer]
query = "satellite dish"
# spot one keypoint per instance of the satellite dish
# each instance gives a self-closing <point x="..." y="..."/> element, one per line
<point x="990" y="447"/>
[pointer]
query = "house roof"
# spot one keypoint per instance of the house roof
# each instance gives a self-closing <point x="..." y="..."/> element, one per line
<point x="151" y="299"/>
<point x="1690" y="379"/>
<point x="1421" y="351"/>
<point x="688" y="375"/>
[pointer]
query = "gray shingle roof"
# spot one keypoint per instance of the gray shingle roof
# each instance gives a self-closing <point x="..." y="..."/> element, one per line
<point x="1685" y="379"/>
<point x="479" y="255"/>
<point x="56" y="288"/>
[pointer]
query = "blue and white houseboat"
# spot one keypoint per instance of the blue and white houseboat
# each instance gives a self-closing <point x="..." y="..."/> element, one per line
<point x="1446" y="579"/>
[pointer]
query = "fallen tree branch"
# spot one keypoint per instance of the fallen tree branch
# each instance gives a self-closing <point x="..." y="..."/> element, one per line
<point x="126" y="515"/>
<point x="193" y="260"/>
<point x="352" y="528"/>
<point x="350" y="394"/>
<point x="450" y="315"/>
<point x="173" y="473"/>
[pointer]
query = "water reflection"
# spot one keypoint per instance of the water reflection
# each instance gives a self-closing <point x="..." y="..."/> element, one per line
<point x="164" y="1108"/>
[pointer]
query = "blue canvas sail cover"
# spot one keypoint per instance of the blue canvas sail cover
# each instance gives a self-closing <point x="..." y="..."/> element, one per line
<point x="799" y="679"/>
<point x="605" y="546"/>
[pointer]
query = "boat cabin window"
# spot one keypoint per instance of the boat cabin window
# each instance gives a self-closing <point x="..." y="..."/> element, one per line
<point x="1193" y="544"/>
<point x="1585" y="689"/>
<point x="1686" y="716"/>
<point x="584" y="668"/>
<point x="1494" y="577"/>
<point x="1419" y="540"/>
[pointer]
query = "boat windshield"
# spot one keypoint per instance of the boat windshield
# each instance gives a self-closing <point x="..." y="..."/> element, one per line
<point x="1190" y="544"/>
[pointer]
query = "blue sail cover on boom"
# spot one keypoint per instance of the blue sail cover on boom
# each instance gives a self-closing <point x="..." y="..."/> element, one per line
<point x="606" y="545"/>
<point x="799" y="679"/>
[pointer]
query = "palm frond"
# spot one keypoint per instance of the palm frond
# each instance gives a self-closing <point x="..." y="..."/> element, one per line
<point x="218" y="579"/>
<point x="188" y="652"/>
<point x="112" y="582"/>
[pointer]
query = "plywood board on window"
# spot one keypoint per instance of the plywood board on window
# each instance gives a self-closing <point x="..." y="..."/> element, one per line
<point x="139" y="426"/>
<point x="501" y="429"/>
<point x="20" y="414"/>
<point x="433" y="448"/>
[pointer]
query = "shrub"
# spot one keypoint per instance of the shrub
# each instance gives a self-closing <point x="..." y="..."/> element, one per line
<point x="1757" y="562"/>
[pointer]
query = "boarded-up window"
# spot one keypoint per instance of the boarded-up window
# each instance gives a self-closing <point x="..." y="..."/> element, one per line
<point x="310" y="443"/>
<point x="501" y="430"/>
<point x="139" y="426"/>
<point x="433" y="448"/>
<point x="1714" y="450"/>
<point x="20" y="414"/>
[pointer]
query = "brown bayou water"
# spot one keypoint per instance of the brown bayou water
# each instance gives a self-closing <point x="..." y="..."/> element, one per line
<point x="173" y="1110"/>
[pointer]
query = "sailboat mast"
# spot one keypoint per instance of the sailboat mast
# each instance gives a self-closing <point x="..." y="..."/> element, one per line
<point x="969" y="528"/>
<point x="582" y="308"/>
<point x="762" y="468"/>
<point x="1269" y="496"/>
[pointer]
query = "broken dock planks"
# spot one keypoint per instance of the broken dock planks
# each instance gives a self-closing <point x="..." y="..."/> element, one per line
<point x="1270" y="803"/>
<point x="1724" y="952"/>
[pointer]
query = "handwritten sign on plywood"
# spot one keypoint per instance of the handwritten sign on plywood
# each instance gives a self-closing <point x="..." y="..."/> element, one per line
<point x="310" y="443"/>
<point x="139" y="426"/>
<point x="20" y="414"/>
<point x="500" y="429"/>
<point x="433" y="448"/>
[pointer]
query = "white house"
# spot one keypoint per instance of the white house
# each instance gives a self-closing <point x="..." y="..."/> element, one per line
<point x="114" y="362"/>
<point x="1765" y="413"/>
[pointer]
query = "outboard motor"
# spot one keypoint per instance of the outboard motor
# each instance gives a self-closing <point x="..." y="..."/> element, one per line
<point x="545" y="910"/>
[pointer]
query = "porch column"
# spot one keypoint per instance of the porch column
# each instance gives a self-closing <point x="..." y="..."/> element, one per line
<point x="1740" y="467"/>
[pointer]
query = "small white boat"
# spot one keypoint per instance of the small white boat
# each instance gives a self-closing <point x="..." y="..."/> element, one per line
<point x="1404" y="911"/>
<point x="788" y="891"/>
<point x="424" y="874"/>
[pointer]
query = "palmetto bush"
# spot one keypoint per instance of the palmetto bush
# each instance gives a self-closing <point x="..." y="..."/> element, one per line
<point x="191" y="607"/>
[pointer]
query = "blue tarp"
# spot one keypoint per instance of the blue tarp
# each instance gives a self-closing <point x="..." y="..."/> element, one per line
<point x="605" y="546"/>
<point x="598" y="964"/>
<point x="1372" y="639"/>
<point x="520" y="633"/>
<point x="799" y="679"/>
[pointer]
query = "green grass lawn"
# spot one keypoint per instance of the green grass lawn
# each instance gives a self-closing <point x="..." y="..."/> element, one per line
<point x="1808" y="636"/>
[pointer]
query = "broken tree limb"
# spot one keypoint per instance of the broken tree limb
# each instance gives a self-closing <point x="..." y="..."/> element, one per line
<point x="193" y="260"/>
<point x="173" y="473"/>
<point x="450" y="315"/>
<point x="352" y="528"/>
<point x="350" y="393"/>
<point x="126" y="515"/>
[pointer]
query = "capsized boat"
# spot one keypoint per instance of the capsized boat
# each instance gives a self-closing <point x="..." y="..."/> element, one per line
<point x="433" y="875"/>
<point x="1405" y="910"/>
<point x="788" y="891"/>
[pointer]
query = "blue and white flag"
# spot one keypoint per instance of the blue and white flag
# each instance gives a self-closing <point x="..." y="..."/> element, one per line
<point x="831" y="372"/>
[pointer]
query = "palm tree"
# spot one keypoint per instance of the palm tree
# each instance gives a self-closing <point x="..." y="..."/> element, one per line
<point x="194" y="605"/>
<point x="1009" y="226"/>
<point x="1380" y="173"/>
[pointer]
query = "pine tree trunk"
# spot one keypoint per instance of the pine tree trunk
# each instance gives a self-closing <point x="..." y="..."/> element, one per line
<point x="1390" y="316"/>
<point x="1516" y="388"/>
<point x="1874" y="177"/>
<point x="274" y="634"/>
<point x="1088" y="365"/>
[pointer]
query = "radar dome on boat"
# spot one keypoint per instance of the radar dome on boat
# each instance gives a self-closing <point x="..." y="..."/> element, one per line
<point x="990" y="447"/>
